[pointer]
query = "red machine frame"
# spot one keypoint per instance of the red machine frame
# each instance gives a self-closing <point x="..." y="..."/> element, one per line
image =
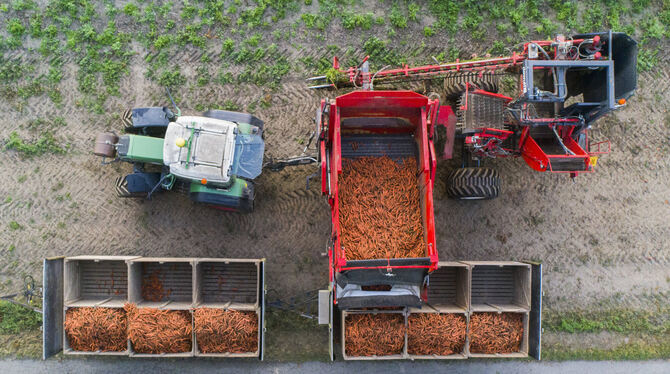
<point x="423" y="114"/>
<point x="488" y="141"/>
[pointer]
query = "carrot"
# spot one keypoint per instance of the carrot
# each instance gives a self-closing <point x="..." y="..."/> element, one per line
<point x="380" y="334"/>
<point x="96" y="329"/>
<point x="157" y="331"/>
<point x="496" y="332"/>
<point x="226" y="331"/>
<point x="435" y="334"/>
<point x="379" y="207"/>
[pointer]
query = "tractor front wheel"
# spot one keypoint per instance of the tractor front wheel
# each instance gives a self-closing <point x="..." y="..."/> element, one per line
<point x="473" y="184"/>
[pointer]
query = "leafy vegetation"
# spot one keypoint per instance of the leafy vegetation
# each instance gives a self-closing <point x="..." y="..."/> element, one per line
<point x="15" y="318"/>
<point x="623" y="321"/>
<point x="638" y="350"/>
<point x="87" y="32"/>
<point x="46" y="143"/>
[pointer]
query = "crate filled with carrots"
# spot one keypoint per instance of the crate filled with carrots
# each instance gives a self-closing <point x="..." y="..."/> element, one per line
<point x="161" y="307"/>
<point x="98" y="330"/>
<point x="431" y="334"/>
<point x="493" y="334"/>
<point x="226" y="332"/>
<point x="227" y="316"/>
<point x="373" y="334"/>
<point x="95" y="288"/>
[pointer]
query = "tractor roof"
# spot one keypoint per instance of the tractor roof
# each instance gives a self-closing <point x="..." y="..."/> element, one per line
<point x="208" y="150"/>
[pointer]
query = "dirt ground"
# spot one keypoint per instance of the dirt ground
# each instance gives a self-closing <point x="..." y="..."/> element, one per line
<point x="602" y="237"/>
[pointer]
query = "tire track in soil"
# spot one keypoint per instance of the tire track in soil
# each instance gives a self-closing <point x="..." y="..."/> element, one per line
<point x="605" y="228"/>
<point x="575" y="228"/>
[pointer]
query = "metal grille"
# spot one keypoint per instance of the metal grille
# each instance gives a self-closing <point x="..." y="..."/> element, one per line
<point x="442" y="288"/>
<point x="568" y="163"/>
<point x="482" y="111"/>
<point x="233" y="282"/>
<point x="176" y="278"/>
<point x="492" y="285"/>
<point x="103" y="279"/>
<point x="394" y="146"/>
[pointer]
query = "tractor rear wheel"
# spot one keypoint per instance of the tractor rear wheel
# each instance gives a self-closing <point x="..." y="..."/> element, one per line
<point x="473" y="184"/>
<point x="127" y="120"/>
<point x="138" y="184"/>
<point x="234" y="117"/>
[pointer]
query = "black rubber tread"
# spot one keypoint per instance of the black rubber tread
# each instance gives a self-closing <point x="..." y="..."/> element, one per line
<point x="122" y="189"/>
<point x="127" y="120"/>
<point x="227" y="115"/>
<point x="473" y="184"/>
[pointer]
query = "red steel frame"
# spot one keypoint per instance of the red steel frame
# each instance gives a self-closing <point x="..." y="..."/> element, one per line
<point x="423" y="114"/>
<point x="359" y="78"/>
<point x="531" y="154"/>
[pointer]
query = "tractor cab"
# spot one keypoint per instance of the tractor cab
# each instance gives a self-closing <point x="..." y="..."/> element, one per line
<point x="200" y="149"/>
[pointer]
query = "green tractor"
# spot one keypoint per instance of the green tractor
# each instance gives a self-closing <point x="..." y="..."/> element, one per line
<point x="214" y="157"/>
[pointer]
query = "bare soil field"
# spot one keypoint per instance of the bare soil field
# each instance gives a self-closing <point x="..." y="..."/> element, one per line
<point x="602" y="237"/>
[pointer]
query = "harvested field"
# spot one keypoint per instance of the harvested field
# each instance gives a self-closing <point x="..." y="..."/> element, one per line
<point x="96" y="329"/>
<point x="435" y="334"/>
<point x="601" y="237"/>
<point x="158" y="331"/>
<point x="380" y="214"/>
<point x="381" y="334"/>
<point x="226" y="331"/>
<point x="496" y="332"/>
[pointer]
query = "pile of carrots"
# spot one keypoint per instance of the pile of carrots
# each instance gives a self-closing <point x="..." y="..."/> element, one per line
<point x="380" y="334"/>
<point x="496" y="332"/>
<point x="96" y="329"/>
<point x="435" y="334"/>
<point x="226" y="331"/>
<point x="156" y="331"/>
<point x="379" y="207"/>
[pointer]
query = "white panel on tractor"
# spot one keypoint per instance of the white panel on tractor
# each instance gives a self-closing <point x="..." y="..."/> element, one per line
<point x="199" y="148"/>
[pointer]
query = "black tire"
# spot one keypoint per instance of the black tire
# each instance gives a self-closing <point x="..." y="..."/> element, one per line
<point x="473" y="184"/>
<point x="127" y="120"/>
<point x="122" y="189"/>
<point x="137" y="184"/>
<point x="149" y="121"/>
<point x="234" y="117"/>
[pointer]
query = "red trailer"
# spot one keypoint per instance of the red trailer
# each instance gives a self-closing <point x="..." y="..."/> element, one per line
<point x="395" y="124"/>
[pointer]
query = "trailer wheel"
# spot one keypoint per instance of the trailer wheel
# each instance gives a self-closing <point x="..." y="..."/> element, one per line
<point x="473" y="184"/>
